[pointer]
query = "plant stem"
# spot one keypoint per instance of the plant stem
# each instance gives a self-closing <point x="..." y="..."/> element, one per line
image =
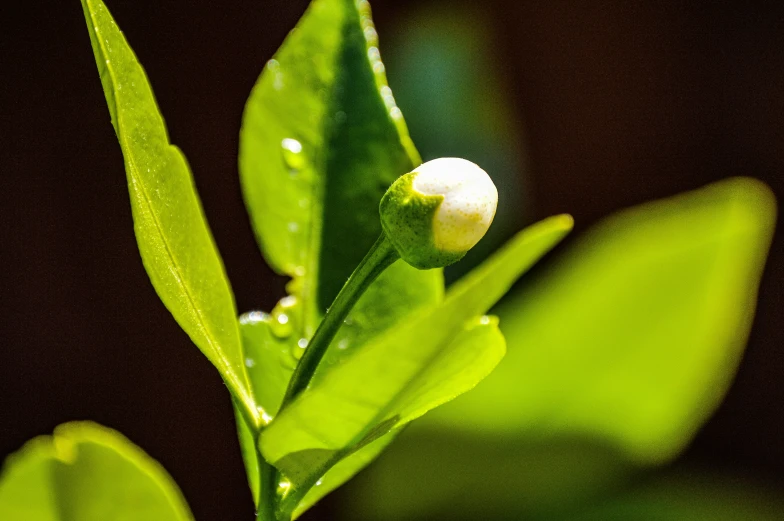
<point x="381" y="255"/>
<point x="268" y="489"/>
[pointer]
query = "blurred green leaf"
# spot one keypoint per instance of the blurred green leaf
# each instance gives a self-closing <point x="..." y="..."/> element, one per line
<point x="628" y="342"/>
<point x="635" y="334"/>
<point x="688" y="496"/>
<point x="174" y="241"/>
<point x="85" y="472"/>
<point x="396" y="378"/>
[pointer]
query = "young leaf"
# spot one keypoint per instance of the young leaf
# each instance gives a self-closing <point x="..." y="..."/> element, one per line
<point x="627" y="343"/>
<point x="321" y="141"/>
<point x="90" y="473"/>
<point x="399" y="376"/>
<point x="175" y="243"/>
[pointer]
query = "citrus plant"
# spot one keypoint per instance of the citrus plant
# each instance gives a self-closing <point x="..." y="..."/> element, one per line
<point x="368" y="339"/>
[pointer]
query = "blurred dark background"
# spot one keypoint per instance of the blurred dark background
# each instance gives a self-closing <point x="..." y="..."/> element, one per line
<point x="615" y="103"/>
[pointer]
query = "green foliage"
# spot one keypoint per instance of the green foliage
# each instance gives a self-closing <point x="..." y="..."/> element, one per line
<point x="616" y="355"/>
<point x="688" y="496"/>
<point x="425" y="362"/>
<point x="321" y="141"/>
<point x="175" y="243"/>
<point x="619" y="352"/>
<point x="85" y="472"/>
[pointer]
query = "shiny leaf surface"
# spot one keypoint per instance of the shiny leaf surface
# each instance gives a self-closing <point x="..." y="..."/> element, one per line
<point x="430" y="359"/>
<point x="174" y="240"/>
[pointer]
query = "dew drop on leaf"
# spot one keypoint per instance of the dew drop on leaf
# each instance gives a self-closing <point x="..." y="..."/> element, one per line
<point x="292" y="155"/>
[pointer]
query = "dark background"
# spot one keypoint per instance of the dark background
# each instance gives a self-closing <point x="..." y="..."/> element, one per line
<point x="622" y="102"/>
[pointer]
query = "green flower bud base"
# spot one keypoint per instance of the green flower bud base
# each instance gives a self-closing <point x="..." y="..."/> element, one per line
<point x="407" y="219"/>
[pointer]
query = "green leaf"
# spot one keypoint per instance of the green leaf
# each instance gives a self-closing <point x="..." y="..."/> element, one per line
<point x="428" y="360"/>
<point x="689" y="496"/>
<point x="321" y="141"/>
<point x="344" y="470"/>
<point x="85" y="472"/>
<point x="635" y="335"/>
<point x="175" y="243"/>
<point x="627" y="344"/>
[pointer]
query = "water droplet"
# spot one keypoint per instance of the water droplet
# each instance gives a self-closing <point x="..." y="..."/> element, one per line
<point x="395" y="113"/>
<point x="284" y="486"/>
<point x="343" y="344"/>
<point x="340" y="117"/>
<point x="281" y="326"/>
<point x="371" y="35"/>
<point x="374" y="54"/>
<point x="265" y="418"/>
<point x="378" y="67"/>
<point x="287" y="302"/>
<point x="319" y="482"/>
<point x="299" y="349"/>
<point x="303" y="203"/>
<point x="292" y="155"/>
<point x="249" y="362"/>
<point x="484" y="320"/>
<point x="293" y="227"/>
<point x="254" y="317"/>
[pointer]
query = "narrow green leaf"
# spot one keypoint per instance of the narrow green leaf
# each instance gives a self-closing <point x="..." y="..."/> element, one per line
<point x="626" y="344"/>
<point x="321" y="141"/>
<point x="175" y="243"/>
<point x="422" y="363"/>
<point x="85" y="472"/>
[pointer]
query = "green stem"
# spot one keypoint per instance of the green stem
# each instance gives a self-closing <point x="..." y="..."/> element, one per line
<point x="380" y="257"/>
<point x="268" y="489"/>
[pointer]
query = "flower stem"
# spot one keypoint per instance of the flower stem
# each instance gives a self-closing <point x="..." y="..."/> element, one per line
<point x="381" y="255"/>
<point x="268" y="489"/>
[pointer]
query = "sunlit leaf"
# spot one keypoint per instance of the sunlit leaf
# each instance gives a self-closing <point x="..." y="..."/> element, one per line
<point x="85" y="472"/>
<point x="430" y="359"/>
<point x="626" y="344"/>
<point x="321" y="141"/>
<point x="175" y="243"/>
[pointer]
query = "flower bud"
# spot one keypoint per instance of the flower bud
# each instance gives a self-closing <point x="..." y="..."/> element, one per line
<point x="438" y="212"/>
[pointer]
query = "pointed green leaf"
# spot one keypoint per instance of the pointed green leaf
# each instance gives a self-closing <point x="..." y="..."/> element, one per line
<point x="85" y="472"/>
<point x="175" y="243"/>
<point x="321" y="141"/>
<point x="424" y="362"/>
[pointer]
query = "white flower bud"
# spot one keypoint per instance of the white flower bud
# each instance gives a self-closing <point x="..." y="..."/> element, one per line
<point x="470" y="201"/>
<point x="439" y="211"/>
